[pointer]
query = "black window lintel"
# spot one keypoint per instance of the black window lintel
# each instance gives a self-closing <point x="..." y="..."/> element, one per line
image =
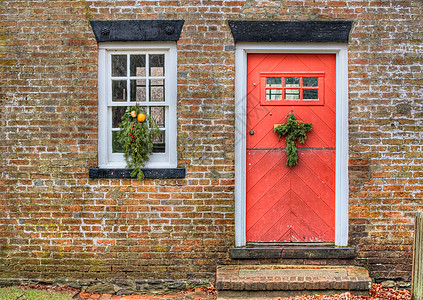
<point x="137" y="30"/>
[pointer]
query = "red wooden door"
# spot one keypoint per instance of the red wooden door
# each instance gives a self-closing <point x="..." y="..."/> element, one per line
<point x="290" y="204"/>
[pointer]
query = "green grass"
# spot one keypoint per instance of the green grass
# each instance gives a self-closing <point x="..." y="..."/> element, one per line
<point x="12" y="293"/>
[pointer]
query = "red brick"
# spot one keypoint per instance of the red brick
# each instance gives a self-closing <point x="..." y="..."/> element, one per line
<point x="49" y="103"/>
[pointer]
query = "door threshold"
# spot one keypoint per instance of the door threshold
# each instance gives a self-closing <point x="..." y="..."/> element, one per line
<point x="292" y="251"/>
<point x="291" y="244"/>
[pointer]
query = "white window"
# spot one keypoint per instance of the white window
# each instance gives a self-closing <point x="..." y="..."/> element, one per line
<point x="141" y="74"/>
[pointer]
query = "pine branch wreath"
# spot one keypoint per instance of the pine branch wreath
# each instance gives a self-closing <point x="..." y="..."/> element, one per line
<point x="294" y="130"/>
<point x="136" y="133"/>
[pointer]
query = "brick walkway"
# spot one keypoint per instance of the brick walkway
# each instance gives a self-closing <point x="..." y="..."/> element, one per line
<point x="197" y="294"/>
<point x="272" y="281"/>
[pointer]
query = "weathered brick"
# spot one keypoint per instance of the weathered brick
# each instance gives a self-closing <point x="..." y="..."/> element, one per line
<point x="49" y="98"/>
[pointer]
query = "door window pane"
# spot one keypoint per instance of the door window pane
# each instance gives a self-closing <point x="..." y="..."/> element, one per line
<point x="137" y="65"/>
<point x="119" y="90"/>
<point x="118" y="65"/>
<point x="138" y="90"/>
<point x="310" y="81"/>
<point x="273" y="94"/>
<point x="273" y="82"/>
<point x="157" y="90"/>
<point x="292" y="81"/>
<point x="292" y="94"/>
<point x="310" y="94"/>
<point x="156" y="65"/>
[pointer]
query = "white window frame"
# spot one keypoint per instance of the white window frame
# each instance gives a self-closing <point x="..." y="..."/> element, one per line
<point x="341" y="160"/>
<point x="107" y="159"/>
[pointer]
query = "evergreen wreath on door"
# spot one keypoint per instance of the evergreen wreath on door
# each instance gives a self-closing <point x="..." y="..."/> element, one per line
<point x="294" y="130"/>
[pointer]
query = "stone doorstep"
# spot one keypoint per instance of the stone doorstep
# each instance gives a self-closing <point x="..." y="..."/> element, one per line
<point x="292" y="278"/>
<point x="290" y="252"/>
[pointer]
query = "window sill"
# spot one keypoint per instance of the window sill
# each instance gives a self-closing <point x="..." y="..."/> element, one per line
<point x="149" y="173"/>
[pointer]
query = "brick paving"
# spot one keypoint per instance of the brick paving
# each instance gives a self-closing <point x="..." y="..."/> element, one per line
<point x="292" y="278"/>
<point x="197" y="294"/>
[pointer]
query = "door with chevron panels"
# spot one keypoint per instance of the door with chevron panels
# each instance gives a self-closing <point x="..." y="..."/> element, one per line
<point x="294" y="204"/>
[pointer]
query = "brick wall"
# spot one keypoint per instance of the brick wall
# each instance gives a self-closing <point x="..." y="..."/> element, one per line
<point x="56" y="223"/>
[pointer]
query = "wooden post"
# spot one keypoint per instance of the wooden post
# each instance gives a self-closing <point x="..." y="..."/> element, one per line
<point x="417" y="274"/>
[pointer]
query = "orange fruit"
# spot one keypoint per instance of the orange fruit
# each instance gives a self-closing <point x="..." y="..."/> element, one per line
<point x="141" y="117"/>
<point x="133" y="113"/>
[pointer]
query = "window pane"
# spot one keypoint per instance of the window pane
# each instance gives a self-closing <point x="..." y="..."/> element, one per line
<point x="158" y="115"/>
<point x="118" y="65"/>
<point x="292" y="81"/>
<point x="273" y="94"/>
<point x="273" y="82"/>
<point x="292" y="94"/>
<point x="310" y="81"/>
<point x="157" y="65"/>
<point x="116" y="146"/>
<point x="138" y="90"/>
<point x="159" y="143"/>
<point x="117" y="113"/>
<point x="310" y="94"/>
<point x="157" y="90"/>
<point x="137" y="65"/>
<point x="119" y="90"/>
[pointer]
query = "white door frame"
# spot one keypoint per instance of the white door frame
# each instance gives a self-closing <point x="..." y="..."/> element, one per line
<point x="341" y="169"/>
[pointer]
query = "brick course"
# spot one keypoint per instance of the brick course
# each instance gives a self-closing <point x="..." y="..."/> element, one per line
<point x="56" y="223"/>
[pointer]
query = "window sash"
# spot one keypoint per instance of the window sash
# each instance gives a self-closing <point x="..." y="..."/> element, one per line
<point x="106" y="157"/>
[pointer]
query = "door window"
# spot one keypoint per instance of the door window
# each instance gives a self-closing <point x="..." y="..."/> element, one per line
<point x="292" y="89"/>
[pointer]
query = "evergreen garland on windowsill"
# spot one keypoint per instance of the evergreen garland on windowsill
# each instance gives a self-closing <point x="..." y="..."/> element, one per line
<point x="137" y="130"/>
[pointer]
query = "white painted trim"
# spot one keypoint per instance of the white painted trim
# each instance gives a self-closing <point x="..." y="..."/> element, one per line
<point x="106" y="159"/>
<point x="240" y="145"/>
<point x="136" y="46"/>
<point x="341" y="179"/>
<point x="171" y="93"/>
<point x="102" y="107"/>
<point x="341" y="182"/>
